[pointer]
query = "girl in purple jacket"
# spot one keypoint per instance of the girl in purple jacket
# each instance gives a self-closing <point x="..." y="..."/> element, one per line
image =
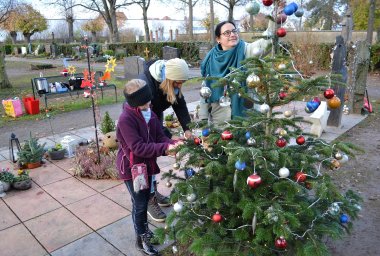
<point x="141" y="140"/>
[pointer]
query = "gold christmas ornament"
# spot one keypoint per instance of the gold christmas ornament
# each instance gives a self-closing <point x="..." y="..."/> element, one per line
<point x="334" y="102"/>
<point x="253" y="81"/>
<point x="338" y="156"/>
<point x="288" y="113"/>
<point x="176" y="165"/>
<point x="281" y="66"/>
<point x="283" y="132"/>
<point x="335" y="164"/>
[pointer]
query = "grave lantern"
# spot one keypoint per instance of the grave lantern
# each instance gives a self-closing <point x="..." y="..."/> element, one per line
<point x="14" y="148"/>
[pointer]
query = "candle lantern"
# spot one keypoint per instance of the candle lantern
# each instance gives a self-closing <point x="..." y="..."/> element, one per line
<point x="14" y="148"/>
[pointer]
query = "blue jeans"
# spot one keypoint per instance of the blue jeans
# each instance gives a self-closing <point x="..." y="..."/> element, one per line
<point x="139" y="207"/>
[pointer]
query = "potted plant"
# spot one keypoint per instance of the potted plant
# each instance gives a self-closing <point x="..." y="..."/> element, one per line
<point x="7" y="178"/>
<point x="22" y="181"/>
<point x="31" y="153"/>
<point x="108" y="130"/>
<point x="57" y="152"/>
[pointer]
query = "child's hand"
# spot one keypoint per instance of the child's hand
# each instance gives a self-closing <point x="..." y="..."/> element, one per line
<point x="172" y="147"/>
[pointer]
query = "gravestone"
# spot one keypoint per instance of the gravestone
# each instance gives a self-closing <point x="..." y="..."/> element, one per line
<point x="23" y="50"/>
<point x="53" y="50"/>
<point x="105" y="47"/>
<point x="170" y="53"/>
<point x="48" y="49"/>
<point x="357" y="82"/>
<point x="119" y="51"/>
<point x="76" y="50"/>
<point x="133" y="66"/>
<point x="203" y="50"/>
<point x="15" y="50"/>
<point x="37" y="50"/>
<point x="338" y="67"/>
<point x="29" y="48"/>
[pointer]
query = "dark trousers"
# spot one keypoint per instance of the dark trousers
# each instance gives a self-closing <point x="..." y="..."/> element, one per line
<point x="139" y="207"/>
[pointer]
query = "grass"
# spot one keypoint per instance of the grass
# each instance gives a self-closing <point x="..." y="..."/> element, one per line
<point x="22" y="88"/>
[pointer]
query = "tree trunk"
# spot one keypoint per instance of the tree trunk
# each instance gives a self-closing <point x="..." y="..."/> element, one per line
<point x="27" y="37"/>
<point x="371" y="19"/>
<point x="4" y="81"/>
<point x="93" y="36"/>
<point x="70" y="24"/>
<point x="13" y="35"/>
<point x="212" y="24"/>
<point x="146" y="25"/>
<point x="114" y="31"/>
<point x="231" y="13"/>
<point x="191" y="20"/>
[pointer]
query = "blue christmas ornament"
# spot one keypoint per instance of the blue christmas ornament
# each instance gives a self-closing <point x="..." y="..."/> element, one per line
<point x="295" y="6"/>
<point x="240" y="165"/>
<point x="312" y="106"/>
<point x="343" y="218"/>
<point x="289" y="9"/>
<point x="247" y="135"/>
<point x="189" y="172"/>
<point x="206" y="132"/>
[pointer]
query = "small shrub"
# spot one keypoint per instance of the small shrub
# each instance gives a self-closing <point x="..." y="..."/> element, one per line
<point x="109" y="52"/>
<point x="6" y="176"/>
<point x="108" y="125"/>
<point x="40" y="66"/>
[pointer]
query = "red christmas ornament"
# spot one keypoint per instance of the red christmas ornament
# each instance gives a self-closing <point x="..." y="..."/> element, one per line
<point x="281" y="32"/>
<point x="197" y="140"/>
<point x="226" y="135"/>
<point x="253" y="180"/>
<point x="217" y="217"/>
<point x="267" y="2"/>
<point x="308" y="185"/>
<point x="281" y="142"/>
<point x="281" y="243"/>
<point x="282" y="95"/>
<point x="329" y="93"/>
<point x="300" y="140"/>
<point x="300" y="177"/>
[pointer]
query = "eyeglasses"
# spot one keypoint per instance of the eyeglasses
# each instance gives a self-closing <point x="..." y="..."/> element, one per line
<point x="227" y="33"/>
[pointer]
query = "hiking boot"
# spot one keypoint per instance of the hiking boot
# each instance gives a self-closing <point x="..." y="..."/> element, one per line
<point x="154" y="210"/>
<point x="151" y="236"/>
<point x="143" y="244"/>
<point x="162" y="200"/>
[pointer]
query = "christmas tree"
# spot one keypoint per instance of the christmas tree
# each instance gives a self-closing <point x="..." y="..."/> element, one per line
<point x="261" y="185"/>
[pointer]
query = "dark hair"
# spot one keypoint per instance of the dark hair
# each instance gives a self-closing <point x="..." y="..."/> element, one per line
<point x="218" y="27"/>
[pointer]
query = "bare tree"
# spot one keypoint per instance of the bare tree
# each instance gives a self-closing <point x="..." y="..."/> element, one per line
<point x="66" y="6"/>
<point x="230" y="5"/>
<point x="5" y="7"/>
<point x="108" y="10"/>
<point x="212" y="23"/>
<point x="144" y="4"/>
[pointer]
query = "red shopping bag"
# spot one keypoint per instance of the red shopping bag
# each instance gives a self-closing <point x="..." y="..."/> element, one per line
<point x="12" y="107"/>
<point x="32" y="106"/>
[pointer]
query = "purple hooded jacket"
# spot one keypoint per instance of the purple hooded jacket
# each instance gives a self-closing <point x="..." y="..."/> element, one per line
<point x="146" y="141"/>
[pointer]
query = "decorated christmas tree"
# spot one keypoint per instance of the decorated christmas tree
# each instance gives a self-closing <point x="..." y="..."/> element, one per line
<point x="260" y="184"/>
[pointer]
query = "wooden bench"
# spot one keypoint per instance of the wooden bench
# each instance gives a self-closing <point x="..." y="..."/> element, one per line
<point x="319" y="119"/>
<point x="76" y="91"/>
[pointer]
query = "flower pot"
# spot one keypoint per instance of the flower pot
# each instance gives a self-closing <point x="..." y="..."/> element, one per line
<point x="33" y="165"/>
<point x="6" y="186"/>
<point x="22" y="185"/>
<point x="57" y="155"/>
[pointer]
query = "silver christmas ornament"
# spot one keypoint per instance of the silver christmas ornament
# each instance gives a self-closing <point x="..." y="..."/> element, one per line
<point x="264" y="108"/>
<point x="346" y="110"/>
<point x="338" y="156"/>
<point x="344" y="159"/>
<point x="251" y="142"/>
<point x="283" y="172"/>
<point x="191" y="197"/>
<point x="299" y="13"/>
<point x="176" y="165"/>
<point x="225" y="101"/>
<point x="178" y="207"/>
<point x="311" y="62"/>
<point x="168" y="184"/>
<point x="334" y="208"/>
<point x="174" y="249"/>
<point x="205" y="92"/>
<point x="252" y="8"/>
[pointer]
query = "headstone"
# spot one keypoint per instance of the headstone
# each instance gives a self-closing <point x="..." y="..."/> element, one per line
<point x="23" y="50"/>
<point x="15" y="50"/>
<point x="37" y="50"/>
<point x="29" y="48"/>
<point x="358" y="72"/>
<point x="48" y="48"/>
<point x="105" y="47"/>
<point x="319" y="119"/>
<point x="338" y="67"/>
<point x="76" y="50"/>
<point x="133" y="66"/>
<point x="203" y="50"/>
<point x="170" y="53"/>
<point x="120" y="51"/>
<point x="53" y="50"/>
